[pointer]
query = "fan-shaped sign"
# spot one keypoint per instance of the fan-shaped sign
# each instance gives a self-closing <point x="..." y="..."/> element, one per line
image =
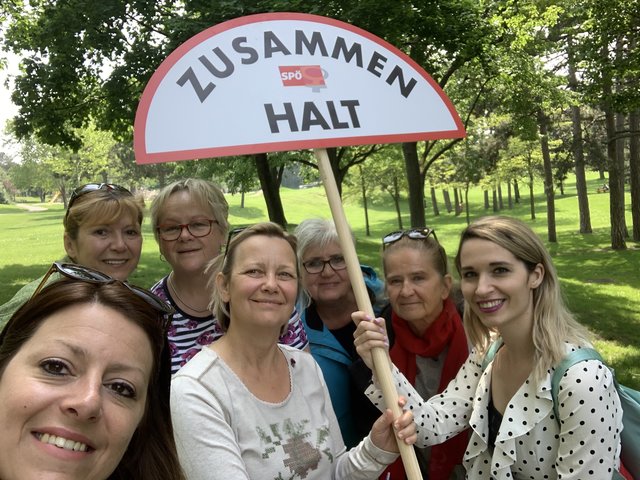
<point x="286" y="81"/>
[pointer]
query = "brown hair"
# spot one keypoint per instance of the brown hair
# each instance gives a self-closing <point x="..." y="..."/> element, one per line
<point x="151" y="453"/>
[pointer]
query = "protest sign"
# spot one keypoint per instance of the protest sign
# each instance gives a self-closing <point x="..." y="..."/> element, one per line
<point x="291" y="81"/>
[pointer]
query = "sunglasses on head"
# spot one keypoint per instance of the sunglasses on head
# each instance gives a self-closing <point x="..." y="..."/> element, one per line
<point x="89" y="275"/>
<point x="92" y="187"/>
<point x="414" y="234"/>
<point x="232" y="233"/>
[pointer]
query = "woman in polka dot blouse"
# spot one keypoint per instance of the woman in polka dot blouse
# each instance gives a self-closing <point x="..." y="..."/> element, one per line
<point x="512" y="294"/>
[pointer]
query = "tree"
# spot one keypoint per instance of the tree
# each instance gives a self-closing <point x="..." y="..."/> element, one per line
<point x="610" y="75"/>
<point x="383" y="175"/>
<point x="91" y="60"/>
<point x="577" y="140"/>
<point x="34" y="174"/>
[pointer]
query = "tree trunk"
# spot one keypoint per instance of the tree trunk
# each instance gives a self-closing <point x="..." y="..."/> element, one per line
<point x="242" y="199"/>
<point x="577" y="146"/>
<point x="516" y="191"/>
<point x="396" y="200"/>
<point x="500" y="202"/>
<point x="634" y="172"/>
<point x="466" y="203"/>
<point x="334" y="161"/>
<point x="548" y="177"/>
<point x="532" y="203"/>
<point x="620" y="144"/>
<point x="415" y="183"/>
<point x="270" y="190"/>
<point x="434" y="203"/>
<point x="509" y="197"/>
<point x="494" y="195"/>
<point x="486" y="199"/>
<point x="458" y="201"/>
<point x="616" y="208"/>
<point x="447" y="199"/>
<point x="364" y="202"/>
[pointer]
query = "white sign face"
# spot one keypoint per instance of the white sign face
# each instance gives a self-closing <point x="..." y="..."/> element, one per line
<point x="286" y="81"/>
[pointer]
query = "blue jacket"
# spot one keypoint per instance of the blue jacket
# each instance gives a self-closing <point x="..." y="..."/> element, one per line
<point x="344" y="372"/>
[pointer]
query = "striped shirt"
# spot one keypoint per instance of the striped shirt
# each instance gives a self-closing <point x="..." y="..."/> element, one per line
<point x="188" y="334"/>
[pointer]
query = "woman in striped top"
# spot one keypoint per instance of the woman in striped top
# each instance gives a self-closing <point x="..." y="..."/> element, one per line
<point x="189" y="219"/>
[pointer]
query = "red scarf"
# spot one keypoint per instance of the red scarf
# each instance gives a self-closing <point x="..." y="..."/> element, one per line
<point x="446" y="331"/>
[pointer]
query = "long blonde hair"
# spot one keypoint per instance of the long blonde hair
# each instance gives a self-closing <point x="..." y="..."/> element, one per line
<point x="553" y="323"/>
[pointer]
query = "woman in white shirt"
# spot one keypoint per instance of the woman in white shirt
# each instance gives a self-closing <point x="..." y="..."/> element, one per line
<point x="246" y="407"/>
<point x="512" y="295"/>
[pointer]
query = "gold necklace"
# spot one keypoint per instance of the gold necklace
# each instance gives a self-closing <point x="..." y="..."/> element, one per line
<point x="172" y="285"/>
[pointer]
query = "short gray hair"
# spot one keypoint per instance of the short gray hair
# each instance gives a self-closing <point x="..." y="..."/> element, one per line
<point x="316" y="232"/>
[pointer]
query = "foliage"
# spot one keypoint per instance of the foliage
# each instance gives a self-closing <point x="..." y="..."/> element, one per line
<point x="502" y="63"/>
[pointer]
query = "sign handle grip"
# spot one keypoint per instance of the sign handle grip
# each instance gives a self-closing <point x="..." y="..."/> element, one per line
<point x="381" y="360"/>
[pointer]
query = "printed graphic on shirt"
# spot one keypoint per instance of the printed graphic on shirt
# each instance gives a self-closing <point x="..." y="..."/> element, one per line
<point x="302" y="451"/>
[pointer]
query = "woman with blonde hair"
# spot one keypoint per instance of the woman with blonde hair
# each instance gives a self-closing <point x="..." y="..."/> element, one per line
<point x="246" y="407"/>
<point x="514" y="305"/>
<point x="102" y="230"/>
<point x="190" y="224"/>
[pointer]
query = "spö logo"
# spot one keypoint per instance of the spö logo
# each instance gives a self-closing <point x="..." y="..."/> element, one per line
<point x="303" y="75"/>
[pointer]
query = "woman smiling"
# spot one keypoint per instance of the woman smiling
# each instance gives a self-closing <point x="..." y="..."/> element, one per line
<point x="84" y="383"/>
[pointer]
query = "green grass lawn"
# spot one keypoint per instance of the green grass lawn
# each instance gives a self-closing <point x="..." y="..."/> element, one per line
<point x="602" y="286"/>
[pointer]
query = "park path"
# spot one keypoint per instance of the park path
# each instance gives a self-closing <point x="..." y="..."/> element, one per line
<point x="31" y="208"/>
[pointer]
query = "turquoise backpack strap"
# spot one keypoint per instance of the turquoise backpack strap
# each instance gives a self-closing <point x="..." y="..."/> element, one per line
<point x="629" y="400"/>
<point x="491" y="352"/>
<point x="577" y="356"/>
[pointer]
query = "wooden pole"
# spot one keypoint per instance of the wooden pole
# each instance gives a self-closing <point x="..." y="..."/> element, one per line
<point x="381" y="360"/>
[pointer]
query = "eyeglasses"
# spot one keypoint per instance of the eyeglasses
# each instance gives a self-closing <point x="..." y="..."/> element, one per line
<point x="92" y="187"/>
<point x="197" y="228"/>
<point x="417" y="234"/>
<point x="414" y="234"/>
<point x="316" y="265"/>
<point x="232" y="233"/>
<point x="89" y="275"/>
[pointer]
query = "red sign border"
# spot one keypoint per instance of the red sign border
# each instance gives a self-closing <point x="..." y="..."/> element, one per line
<point x="139" y="138"/>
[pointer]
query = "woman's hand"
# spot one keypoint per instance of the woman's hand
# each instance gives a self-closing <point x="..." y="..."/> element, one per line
<point x="382" y="432"/>
<point x="370" y="333"/>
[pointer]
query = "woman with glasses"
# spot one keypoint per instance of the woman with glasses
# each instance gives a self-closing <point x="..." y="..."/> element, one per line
<point x="513" y="303"/>
<point x="189" y="219"/>
<point x="84" y="383"/>
<point x="246" y="407"/>
<point x="329" y="327"/>
<point x="429" y="344"/>
<point x="102" y="230"/>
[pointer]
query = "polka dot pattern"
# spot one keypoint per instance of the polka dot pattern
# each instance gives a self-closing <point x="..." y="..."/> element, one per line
<point x="530" y="443"/>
